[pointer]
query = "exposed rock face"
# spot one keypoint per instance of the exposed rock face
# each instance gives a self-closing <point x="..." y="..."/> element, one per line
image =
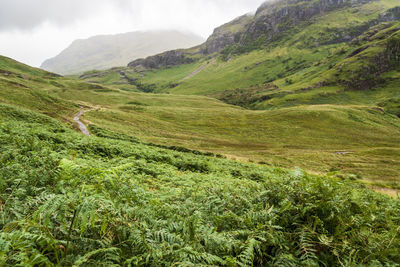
<point x="219" y="43"/>
<point x="167" y="59"/>
<point x="391" y="15"/>
<point x="369" y="75"/>
<point x="276" y="16"/>
<point x="227" y="35"/>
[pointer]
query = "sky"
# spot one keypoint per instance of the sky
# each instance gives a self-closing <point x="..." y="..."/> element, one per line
<point x="32" y="31"/>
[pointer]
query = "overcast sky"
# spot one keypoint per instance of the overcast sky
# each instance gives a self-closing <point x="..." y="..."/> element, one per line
<point x="34" y="30"/>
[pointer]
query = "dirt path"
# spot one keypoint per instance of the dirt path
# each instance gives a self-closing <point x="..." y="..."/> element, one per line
<point x="82" y="127"/>
<point x="194" y="73"/>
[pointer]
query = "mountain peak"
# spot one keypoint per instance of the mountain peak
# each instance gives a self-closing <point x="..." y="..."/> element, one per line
<point x="107" y="51"/>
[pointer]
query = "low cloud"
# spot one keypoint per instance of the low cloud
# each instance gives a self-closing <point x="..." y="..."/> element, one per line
<point x="25" y="15"/>
<point x="49" y="26"/>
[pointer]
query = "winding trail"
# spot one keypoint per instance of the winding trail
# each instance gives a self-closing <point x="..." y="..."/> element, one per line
<point x="197" y="71"/>
<point x="82" y="127"/>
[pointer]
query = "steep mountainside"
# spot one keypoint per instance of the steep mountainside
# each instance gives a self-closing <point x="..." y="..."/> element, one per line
<point x="274" y="19"/>
<point x="289" y="53"/>
<point x="107" y="51"/>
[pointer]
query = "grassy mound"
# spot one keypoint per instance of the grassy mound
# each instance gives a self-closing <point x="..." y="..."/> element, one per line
<point x="66" y="199"/>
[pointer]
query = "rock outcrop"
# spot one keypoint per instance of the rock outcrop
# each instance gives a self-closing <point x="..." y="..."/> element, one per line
<point x="167" y="59"/>
<point x="227" y="35"/>
<point x="390" y="15"/>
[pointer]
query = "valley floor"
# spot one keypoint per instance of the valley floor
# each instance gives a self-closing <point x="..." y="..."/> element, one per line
<point x="310" y="137"/>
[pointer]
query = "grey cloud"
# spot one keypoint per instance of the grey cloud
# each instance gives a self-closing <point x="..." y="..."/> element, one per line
<point x="28" y="14"/>
<point x="25" y="15"/>
<point x="22" y="21"/>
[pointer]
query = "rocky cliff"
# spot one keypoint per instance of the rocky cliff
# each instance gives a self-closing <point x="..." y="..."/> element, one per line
<point x="167" y="59"/>
<point x="274" y="17"/>
<point x="227" y="35"/>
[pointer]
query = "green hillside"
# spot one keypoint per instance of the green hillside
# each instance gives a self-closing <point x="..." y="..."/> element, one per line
<point x="26" y="86"/>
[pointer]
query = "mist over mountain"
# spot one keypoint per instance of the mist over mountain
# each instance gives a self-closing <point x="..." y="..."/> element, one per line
<point x="107" y="51"/>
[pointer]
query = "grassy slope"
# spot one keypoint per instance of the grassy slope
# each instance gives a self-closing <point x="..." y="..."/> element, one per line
<point x="305" y="136"/>
<point x="33" y="88"/>
<point x="72" y="200"/>
<point x="23" y="85"/>
<point x="305" y="69"/>
<point x="67" y="199"/>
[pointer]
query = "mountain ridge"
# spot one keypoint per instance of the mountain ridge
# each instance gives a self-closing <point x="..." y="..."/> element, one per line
<point x="271" y="19"/>
<point x="107" y="51"/>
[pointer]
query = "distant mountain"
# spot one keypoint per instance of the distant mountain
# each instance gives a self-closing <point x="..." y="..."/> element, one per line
<point x="107" y="51"/>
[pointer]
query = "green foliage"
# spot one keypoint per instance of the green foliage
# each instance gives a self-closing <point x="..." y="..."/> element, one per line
<point x="98" y="131"/>
<point x="235" y="50"/>
<point x="147" y="88"/>
<point x="71" y="200"/>
<point x="346" y="49"/>
<point x="392" y="105"/>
